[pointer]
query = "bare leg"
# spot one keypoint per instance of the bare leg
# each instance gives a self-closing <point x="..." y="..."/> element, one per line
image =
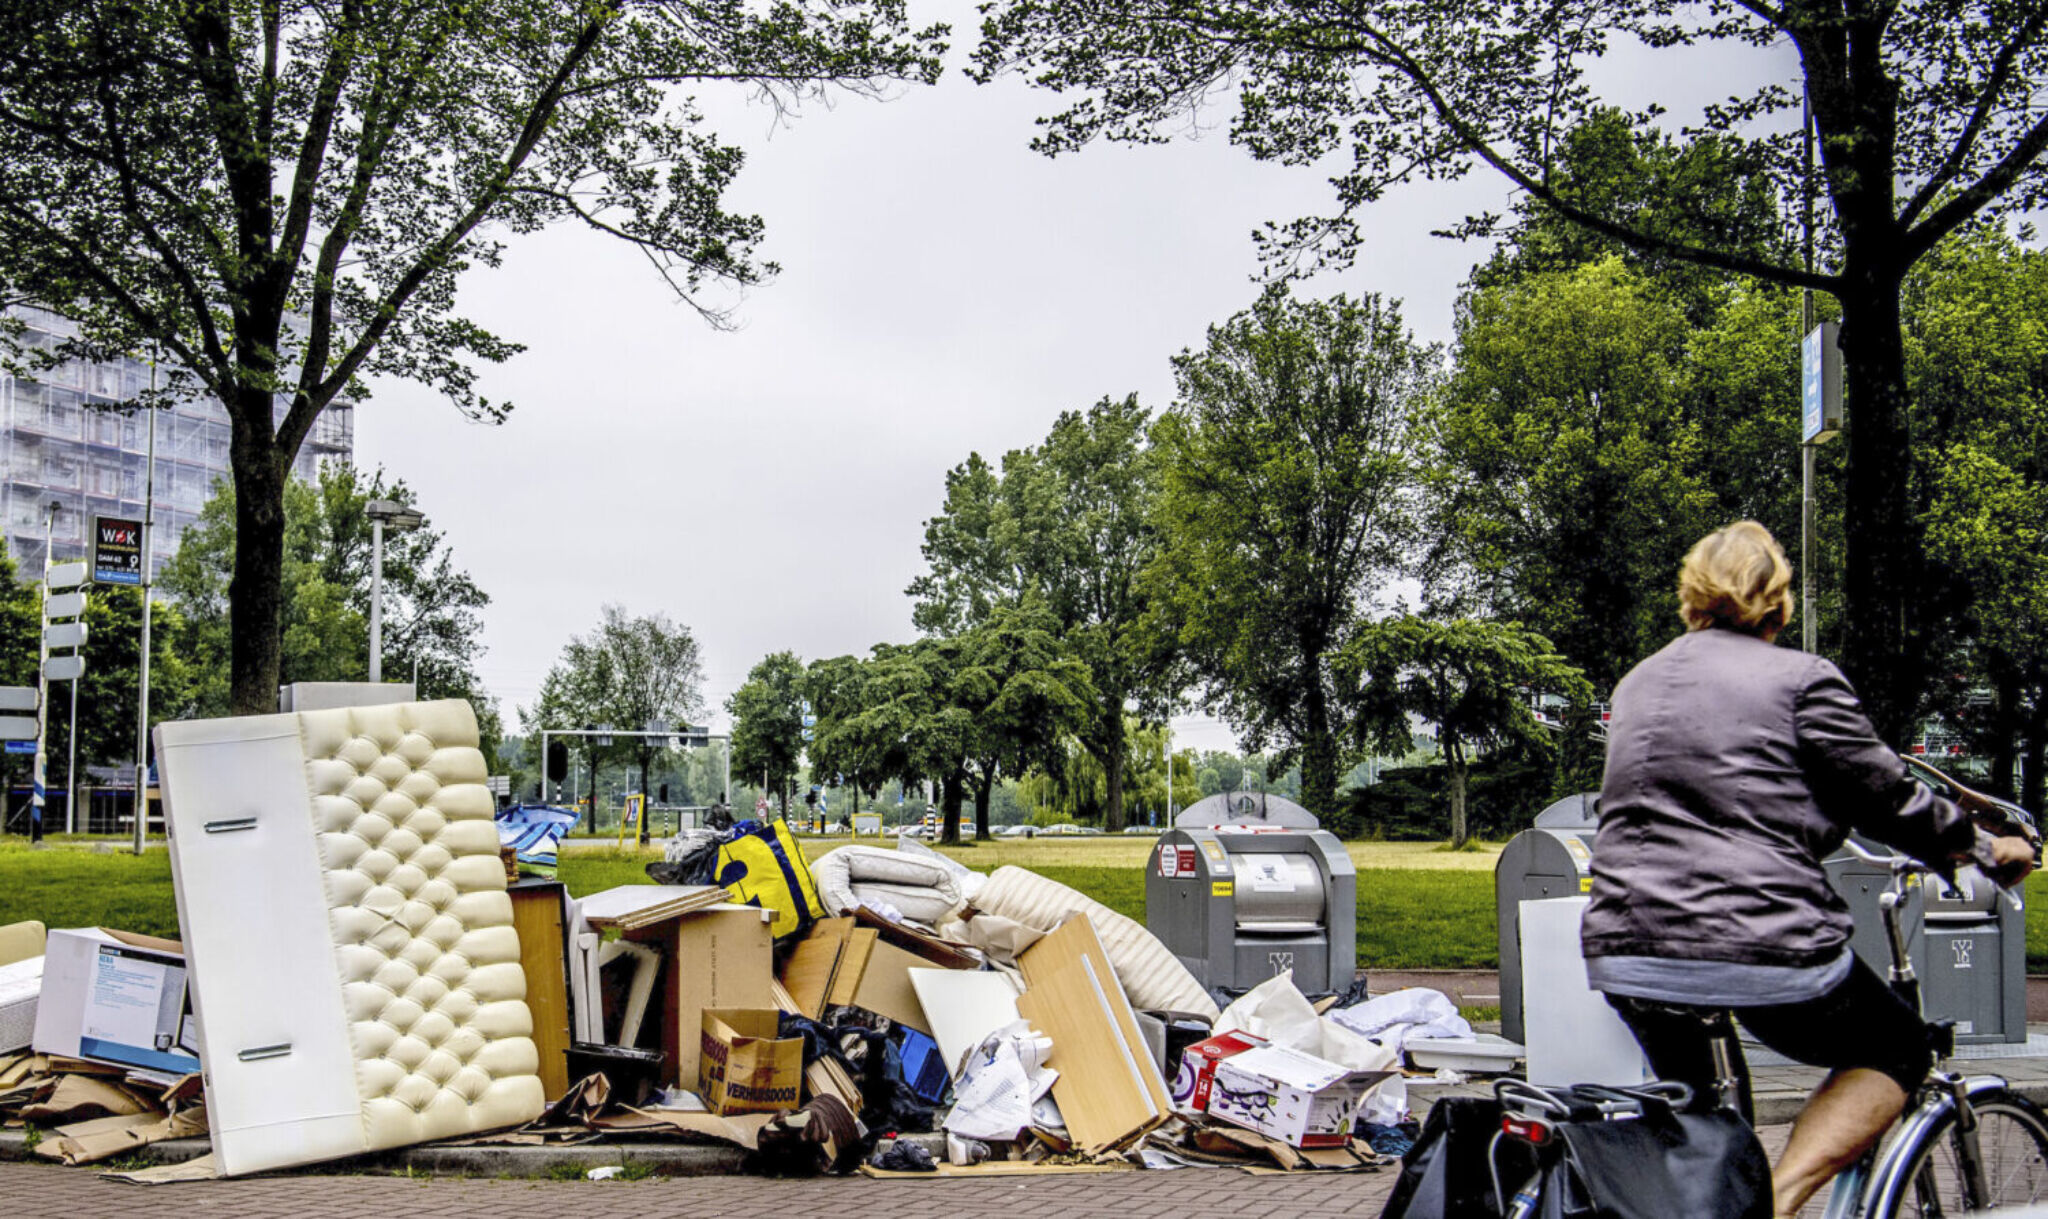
<point x="1845" y="1115"/>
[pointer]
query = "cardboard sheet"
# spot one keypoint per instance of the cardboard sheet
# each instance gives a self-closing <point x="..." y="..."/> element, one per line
<point x="1109" y="1090"/>
<point x="964" y="1007"/>
<point x="885" y="987"/>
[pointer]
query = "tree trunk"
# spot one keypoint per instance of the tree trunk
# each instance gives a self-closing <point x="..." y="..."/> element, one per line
<point x="2002" y="742"/>
<point x="1883" y="551"/>
<point x="2034" y="783"/>
<point x="950" y="803"/>
<point x="982" y="793"/>
<point x="255" y="591"/>
<point x="1318" y="748"/>
<point x="1112" y="760"/>
<point x="1454" y="762"/>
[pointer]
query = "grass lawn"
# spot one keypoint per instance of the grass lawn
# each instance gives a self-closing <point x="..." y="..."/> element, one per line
<point x="1419" y="906"/>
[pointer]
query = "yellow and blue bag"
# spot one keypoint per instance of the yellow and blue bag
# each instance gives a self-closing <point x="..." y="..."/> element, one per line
<point x="761" y="864"/>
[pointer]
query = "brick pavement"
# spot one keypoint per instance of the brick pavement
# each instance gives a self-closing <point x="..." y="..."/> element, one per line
<point x="40" y="1191"/>
<point x="37" y="1191"/>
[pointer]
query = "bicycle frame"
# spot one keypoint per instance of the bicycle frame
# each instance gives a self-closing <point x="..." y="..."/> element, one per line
<point x="1875" y="1185"/>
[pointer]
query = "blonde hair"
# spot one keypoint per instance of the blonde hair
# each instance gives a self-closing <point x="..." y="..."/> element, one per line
<point x="1736" y="578"/>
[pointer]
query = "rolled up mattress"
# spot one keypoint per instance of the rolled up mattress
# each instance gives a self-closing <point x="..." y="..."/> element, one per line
<point x="1151" y="975"/>
<point x="922" y="890"/>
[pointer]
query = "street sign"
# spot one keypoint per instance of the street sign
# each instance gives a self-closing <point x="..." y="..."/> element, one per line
<point x="64" y="635"/>
<point x="18" y="728"/>
<point x="18" y="698"/>
<point x="116" y="550"/>
<point x="810" y="734"/>
<point x="28" y="746"/>
<point x="66" y="575"/>
<point x="64" y="605"/>
<point x="64" y="668"/>
<point x="1820" y="376"/>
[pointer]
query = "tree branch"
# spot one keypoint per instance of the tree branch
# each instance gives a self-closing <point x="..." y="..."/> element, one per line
<point x="146" y="319"/>
<point x="1969" y="202"/>
<point x="435" y="257"/>
<point x="1386" y="52"/>
<point x="334" y="75"/>
<point x="2001" y="75"/>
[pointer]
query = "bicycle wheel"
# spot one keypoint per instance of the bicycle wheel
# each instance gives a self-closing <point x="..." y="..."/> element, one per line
<point x="2012" y="1139"/>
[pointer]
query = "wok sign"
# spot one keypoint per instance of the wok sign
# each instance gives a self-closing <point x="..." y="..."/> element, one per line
<point x="116" y="550"/>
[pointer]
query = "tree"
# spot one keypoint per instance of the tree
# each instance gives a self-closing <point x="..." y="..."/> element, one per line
<point x="1069" y="525"/>
<point x="432" y="609"/>
<point x="1977" y="351"/>
<point x="1567" y="474"/>
<point x="894" y="723"/>
<point x="281" y="197"/>
<point x="107" y="692"/>
<point x="1926" y="119"/>
<point x="636" y="673"/>
<point x="1287" y="502"/>
<point x="767" y="722"/>
<point x="1472" y="679"/>
<point x="1020" y="694"/>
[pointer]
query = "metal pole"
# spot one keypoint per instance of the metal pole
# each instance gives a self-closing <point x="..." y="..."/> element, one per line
<point x="1809" y="625"/>
<point x="71" y="762"/>
<point x="543" y="766"/>
<point x="1169" y="774"/>
<point x="142" y="692"/>
<point x="376" y="600"/>
<point x="35" y="807"/>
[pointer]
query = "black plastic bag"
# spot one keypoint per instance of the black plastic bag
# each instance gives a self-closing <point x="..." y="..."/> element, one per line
<point x="699" y="864"/>
<point x="1446" y="1174"/>
<point x="1661" y="1164"/>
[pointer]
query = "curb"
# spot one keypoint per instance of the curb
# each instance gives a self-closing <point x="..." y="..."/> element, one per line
<point x="1777" y="1108"/>
<point x="667" y="1159"/>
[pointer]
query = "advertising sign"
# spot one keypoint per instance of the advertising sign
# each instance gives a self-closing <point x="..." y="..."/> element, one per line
<point x="116" y="550"/>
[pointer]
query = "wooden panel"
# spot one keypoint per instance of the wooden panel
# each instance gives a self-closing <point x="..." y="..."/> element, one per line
<point x="537" y="917"/>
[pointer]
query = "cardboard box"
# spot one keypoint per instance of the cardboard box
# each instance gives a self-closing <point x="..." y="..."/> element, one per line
<point x="1302" y="1100"/>
<point x="1192" y="1082"/>
<point x="116" y="997"/>
<point x="21" y="983"/>
<point x="723" y="957"/>
<point x="744" y="1067"/>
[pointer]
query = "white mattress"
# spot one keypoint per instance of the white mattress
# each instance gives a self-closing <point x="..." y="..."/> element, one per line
<point x="353" y="963"/>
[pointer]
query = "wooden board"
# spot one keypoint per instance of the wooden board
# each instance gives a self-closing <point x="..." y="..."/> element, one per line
<point x="543" y="954"/>
<point x="1109" y="1088"/>
<point x="634" y="907"/>
<point x="853" y="962"/>
<point x="814" y="963"/>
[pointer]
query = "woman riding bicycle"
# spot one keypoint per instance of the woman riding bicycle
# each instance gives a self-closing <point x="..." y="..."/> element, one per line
<point x="1733" y="768"/>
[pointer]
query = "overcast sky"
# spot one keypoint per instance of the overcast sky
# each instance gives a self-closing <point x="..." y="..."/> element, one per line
<point x="945" y="291"/>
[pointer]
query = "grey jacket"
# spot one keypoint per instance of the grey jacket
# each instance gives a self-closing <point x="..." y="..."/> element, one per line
<point x="1733" y="768"/>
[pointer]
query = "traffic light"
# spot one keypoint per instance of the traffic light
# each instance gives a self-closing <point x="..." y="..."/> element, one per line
<point x="558" y="761"/>
<point x="811" y="797"/>
<point x="664" y="793"/>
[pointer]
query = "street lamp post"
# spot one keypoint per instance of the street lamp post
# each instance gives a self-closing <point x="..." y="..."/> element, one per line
<point x="383" y="512"/>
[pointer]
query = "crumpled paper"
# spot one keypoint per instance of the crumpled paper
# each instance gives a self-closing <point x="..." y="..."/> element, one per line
<point x="1004" y="1078"/>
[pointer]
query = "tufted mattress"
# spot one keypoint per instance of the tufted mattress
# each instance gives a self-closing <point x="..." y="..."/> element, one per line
<point x="353" y="964"/>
